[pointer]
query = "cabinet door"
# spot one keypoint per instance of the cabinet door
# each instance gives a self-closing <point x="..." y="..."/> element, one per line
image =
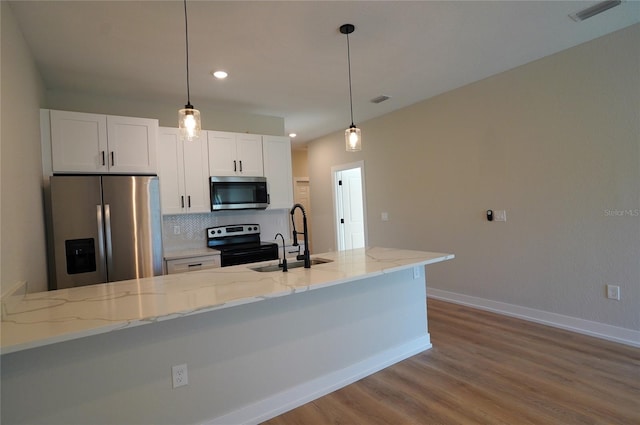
<point x="132" y="144"/>
<point x="78" y="142"/>
<point x="249" y="152"/>
<point x="171" y="171"/>
<point x="222" y="153"/>
<point x="278" y="171"/>
<point x="196" y="175"/>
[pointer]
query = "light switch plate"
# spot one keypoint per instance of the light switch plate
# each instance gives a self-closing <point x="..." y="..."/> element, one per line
<point x="500" y="215"/>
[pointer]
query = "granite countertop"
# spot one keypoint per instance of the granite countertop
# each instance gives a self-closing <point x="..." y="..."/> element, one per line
<point x="44" y="318"/>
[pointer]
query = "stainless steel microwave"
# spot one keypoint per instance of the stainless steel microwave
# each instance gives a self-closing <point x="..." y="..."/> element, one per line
<point x="238" y="193"/>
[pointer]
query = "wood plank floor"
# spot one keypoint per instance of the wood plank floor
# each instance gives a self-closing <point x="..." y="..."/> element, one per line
<point x="486" y="368"/>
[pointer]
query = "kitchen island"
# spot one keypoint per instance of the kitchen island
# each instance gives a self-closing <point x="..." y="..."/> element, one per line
<point x="255" y="344"/>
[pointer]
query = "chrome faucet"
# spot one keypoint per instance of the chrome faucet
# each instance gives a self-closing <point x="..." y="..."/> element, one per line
<point x="305" y="256"/>
<point x="284" y="254"/>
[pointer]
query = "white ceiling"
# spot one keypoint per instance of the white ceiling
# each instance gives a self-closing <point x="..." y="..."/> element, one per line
<point x="288" y="58"/>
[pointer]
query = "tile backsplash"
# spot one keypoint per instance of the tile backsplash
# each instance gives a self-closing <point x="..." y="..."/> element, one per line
<point x="188" y="231"/>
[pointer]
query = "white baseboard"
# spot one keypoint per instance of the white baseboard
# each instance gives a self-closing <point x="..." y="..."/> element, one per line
<point x="587" y="327"/>
<point x="289" y="399"/>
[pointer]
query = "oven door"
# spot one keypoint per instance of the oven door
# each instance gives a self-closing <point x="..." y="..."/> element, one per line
<point x="235" y="193"/>
<point x="234" y="257"/>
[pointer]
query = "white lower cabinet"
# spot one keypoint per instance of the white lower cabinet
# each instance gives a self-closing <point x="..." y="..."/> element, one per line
<point x="183" y="169"/>
<point x="191" y="264"/>
<point x="292" y="251"/>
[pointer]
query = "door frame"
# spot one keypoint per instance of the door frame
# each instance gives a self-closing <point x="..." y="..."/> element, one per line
<point x="334" y="189"/>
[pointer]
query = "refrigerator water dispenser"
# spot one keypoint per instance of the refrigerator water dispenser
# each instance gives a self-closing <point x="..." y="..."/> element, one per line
<point x="81" y="255"/>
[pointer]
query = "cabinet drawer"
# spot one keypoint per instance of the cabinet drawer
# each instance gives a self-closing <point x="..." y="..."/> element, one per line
<point x="292" y="251"/>
<point x="192" y="264"/>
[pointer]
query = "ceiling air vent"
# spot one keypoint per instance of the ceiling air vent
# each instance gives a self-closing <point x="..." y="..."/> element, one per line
<point x="594" y="10"/>
<point x="380" y="99"/>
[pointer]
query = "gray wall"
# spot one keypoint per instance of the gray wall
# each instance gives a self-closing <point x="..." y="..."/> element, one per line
<point x="22" y="249"/>
<point x="167" y="113"/>
<point x="556" y="143"/>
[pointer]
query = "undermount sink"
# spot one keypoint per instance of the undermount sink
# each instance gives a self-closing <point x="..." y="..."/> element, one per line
<point x="290" y="265"/>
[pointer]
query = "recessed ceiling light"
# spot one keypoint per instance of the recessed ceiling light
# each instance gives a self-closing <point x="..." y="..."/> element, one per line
<point x="292" y="135"/>
<point x="220" y="75"/>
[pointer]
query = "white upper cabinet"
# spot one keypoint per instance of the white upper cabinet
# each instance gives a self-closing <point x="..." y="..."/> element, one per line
<point x="183" y="169"/>
<point x="235" y="154"/>
<point x="78" y="142"/>
<point x="132" y="144"/>
<point x="278" y="171"/>
<point x="94" y="143"/>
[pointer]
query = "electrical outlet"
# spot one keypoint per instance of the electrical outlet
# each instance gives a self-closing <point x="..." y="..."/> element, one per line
<point x="176" y="230"/>
<point x="613" y="292"/>
<point x="180" y="375"/>
<point x="384" y="216"/>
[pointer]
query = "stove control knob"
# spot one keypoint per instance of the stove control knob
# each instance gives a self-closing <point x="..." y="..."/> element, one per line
<point x="219" y="231"/>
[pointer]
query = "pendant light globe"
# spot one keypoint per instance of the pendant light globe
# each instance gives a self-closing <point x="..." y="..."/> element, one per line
<point x="189" y="123"/>
<point x="188" y="117"/>
<point x="352" y="135"/>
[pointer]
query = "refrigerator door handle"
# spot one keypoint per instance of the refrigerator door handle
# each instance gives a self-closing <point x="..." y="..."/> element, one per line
<point x="100" y="221"/>
<point x="107" y="234"/>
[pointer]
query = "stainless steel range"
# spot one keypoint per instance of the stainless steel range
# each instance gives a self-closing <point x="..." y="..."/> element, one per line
<point x="240" y="244"/>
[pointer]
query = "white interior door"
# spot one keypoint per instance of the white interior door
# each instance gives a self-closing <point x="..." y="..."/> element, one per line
<point x="350" y="211"/>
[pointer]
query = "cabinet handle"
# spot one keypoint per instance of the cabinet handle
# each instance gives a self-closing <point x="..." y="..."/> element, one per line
<point x="195" y="265"/>
<point x="103" y="163"/>
<point x="240" y="165"/>
<point x="113" y="159"/>
<point x="234" y="166"/>
<point x="189" y="201"/>
<point x="182" y="201"/>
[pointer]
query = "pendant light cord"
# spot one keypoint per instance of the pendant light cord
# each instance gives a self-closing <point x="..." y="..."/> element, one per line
<point x="350" y="94"/>
<point x="186" y="30"/>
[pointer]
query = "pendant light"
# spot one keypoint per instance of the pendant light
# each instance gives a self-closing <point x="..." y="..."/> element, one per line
<point x="352" y="135"/>
<point x="188" y="118"/>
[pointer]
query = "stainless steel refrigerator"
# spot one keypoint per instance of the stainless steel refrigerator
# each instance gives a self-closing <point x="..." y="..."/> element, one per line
<point x="105" y="229"/>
